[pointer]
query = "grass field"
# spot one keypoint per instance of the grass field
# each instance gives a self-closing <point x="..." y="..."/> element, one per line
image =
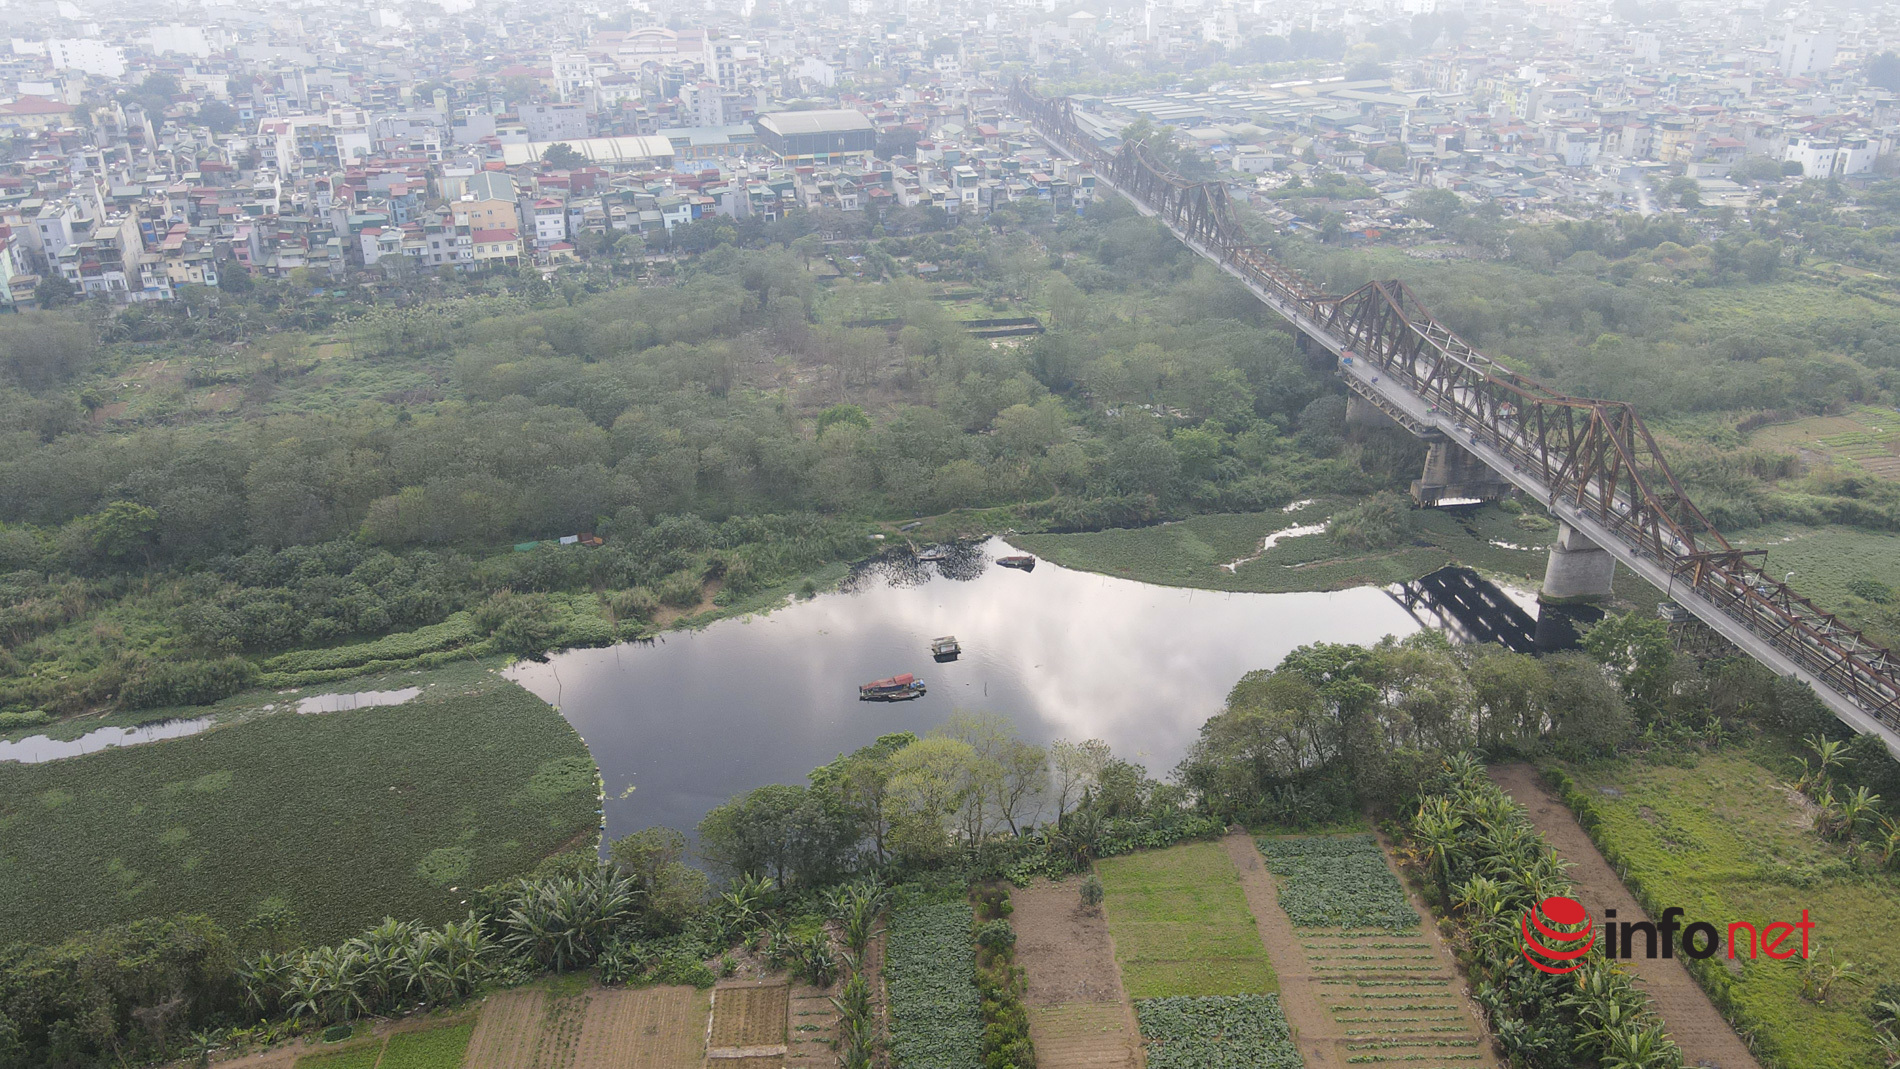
<point x="1180" y="923"/>
<point x="345" y="817"/>
<point x="1723" y="840"/>
<point x="1190" y="553"/>
<point x="1825" y="560"/>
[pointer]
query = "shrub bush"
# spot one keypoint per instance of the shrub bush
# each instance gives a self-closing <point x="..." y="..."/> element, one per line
<point x="153" y="685"/>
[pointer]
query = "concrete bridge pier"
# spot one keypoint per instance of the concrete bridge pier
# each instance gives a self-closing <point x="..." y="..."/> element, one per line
<point x="1579" y="570"/>
<point x="1452" y="473"/>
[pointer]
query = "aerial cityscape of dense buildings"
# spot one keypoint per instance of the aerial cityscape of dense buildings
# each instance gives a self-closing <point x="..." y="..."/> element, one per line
<point x="157" y="149"/>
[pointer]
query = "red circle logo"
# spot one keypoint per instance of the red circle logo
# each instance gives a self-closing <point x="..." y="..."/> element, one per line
<point x="1556" y="920"/>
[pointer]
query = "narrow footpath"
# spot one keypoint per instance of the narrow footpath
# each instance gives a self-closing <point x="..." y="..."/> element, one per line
<point x="1705" y="1037"/>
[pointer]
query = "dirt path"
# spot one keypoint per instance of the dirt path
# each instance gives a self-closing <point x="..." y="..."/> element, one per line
<point x="1079" y="1016"/>
<point x="1706" y="1039"/>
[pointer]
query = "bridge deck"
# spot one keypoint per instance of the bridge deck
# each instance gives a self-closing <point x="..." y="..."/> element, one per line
<point x="1759" y="618"/>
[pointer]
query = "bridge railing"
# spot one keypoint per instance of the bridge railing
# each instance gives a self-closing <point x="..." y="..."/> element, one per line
<point x="1595" y="456"/>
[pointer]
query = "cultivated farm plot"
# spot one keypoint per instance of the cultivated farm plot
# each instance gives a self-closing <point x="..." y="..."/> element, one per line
<point x="1078" y="1016"/>
<point x="1234" y="1030"/>
<point x="1391" y="994"/>
<point x="1081" y="1035"/>
<point x="509" y="1029"/>
<point x="426" y="1048"/>
<point x="813" y="1024"/>
<point x="645" y="1028"/>
<point x="1866" y="435"/>
<point x="749" y="1018"/>
<point x="591" y="1028"/>
<point x="1181" y="926"/>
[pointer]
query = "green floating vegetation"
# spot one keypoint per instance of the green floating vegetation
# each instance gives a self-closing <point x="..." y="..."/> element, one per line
<point x="1196" y="552"/>
<point x="1338" y="883"/>
<point x="1217" y="1032"/>
<point x="457" y="630"/>
<point x="344" y="817"/>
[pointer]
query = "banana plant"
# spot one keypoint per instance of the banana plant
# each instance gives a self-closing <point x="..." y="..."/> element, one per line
<point x="1858" y="808"/>
<point x="265" y="978"/>
<point x="1436" y="829"/>
<point x="1640" y="1048"/>
<point x="856" y="907"/>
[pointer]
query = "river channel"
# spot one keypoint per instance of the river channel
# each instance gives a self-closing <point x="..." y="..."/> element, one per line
<point x="682" y="723"/>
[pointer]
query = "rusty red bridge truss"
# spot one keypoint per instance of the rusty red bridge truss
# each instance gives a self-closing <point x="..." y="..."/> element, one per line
<point x="1592" y="462"/>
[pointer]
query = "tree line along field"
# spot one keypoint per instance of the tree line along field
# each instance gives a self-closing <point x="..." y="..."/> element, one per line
<point x="1723" y="835"/>
<point x="340" y="818"/>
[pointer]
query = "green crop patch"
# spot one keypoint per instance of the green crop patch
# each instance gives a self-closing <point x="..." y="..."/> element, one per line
<point x="1338" y="883"/>
<point x="930" y="978"/>
<point x="437" y="1048"/>
<point x="360" y="1057"/>
<point x="1181" y="925"/>
<point x="1226" y="1032"/>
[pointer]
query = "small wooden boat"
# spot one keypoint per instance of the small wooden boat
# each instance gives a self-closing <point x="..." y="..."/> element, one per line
<point x="934" y="553"/>
<point x="1018" y="560"/>
<point x="895" y="689"/>
<point x="945" y="648"/>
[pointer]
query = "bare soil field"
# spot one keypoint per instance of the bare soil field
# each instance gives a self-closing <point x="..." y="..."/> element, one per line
<point x="1705" y="1038"/>
<point x="591" y="1028"/>
<point x="645" y="1028"/>
<point x="508" y="1030"/>
<point x="1079" y="1017"/>
<point x="1083" y="1035"/>
<point x="814" y="1024"/>
<point x="749" y="1017"/>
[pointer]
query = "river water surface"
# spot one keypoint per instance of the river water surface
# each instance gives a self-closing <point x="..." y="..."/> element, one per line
<point x="681" y="724"/>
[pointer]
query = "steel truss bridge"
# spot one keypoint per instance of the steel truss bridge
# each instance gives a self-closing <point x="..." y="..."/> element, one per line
<point x="1592" y="462"/>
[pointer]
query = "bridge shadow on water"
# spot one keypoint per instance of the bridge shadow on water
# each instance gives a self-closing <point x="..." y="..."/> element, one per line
<point x="1471" y="610"/>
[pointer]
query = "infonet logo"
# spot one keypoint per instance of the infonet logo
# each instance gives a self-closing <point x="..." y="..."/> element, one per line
<point x="1549" y="929"/>
<point x="1561" y="912"/>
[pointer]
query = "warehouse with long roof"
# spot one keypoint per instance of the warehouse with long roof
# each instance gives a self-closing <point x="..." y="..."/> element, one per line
<point x="815" y="137"/>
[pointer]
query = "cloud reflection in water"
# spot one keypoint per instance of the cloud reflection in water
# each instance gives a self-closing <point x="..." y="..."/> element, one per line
<point x="698" y="716"/>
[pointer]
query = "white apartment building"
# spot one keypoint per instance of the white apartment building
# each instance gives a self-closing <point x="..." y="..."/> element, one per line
<point x="93" y="57"/>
